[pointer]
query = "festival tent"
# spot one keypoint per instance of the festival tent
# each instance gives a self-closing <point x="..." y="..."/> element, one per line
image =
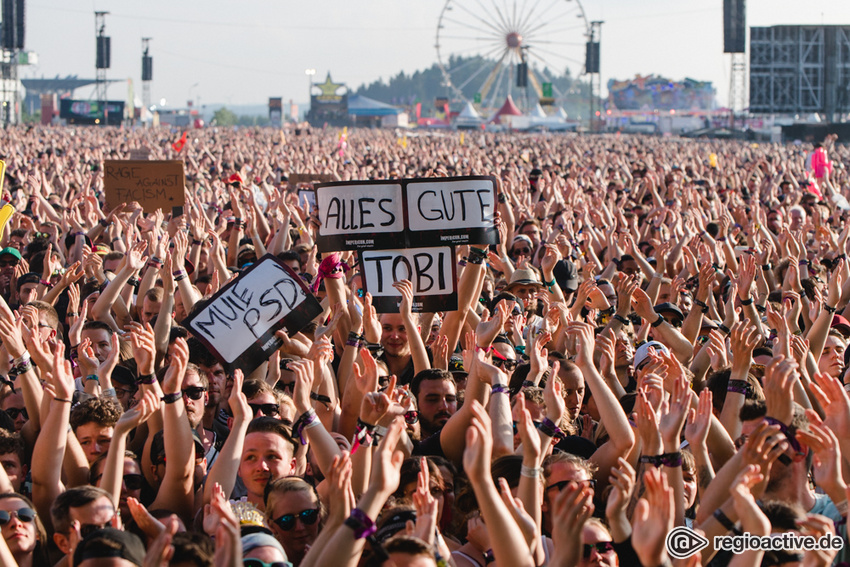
<point x="468" y="117"/>
<point x="368" y="111"/>
<point x="537" y="112"/>
<point x="508" y="109"/>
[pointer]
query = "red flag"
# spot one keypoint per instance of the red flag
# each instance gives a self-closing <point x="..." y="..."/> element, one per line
<point x="418" y="111"/>
<point x="447" y="111"/>
<point x="178" y="145"/>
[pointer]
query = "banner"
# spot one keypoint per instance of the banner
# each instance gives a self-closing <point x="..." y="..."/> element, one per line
<point x="154" y="184"/>
<point x="434" y="211"/>
<point x="432" y="271"/>
<point x="239" y="322"/>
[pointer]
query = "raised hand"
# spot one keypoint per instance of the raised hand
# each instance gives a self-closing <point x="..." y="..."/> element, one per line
<point x="752" y="518"/>
<point x="172" y="382"/>
<point x="653" y="518"/>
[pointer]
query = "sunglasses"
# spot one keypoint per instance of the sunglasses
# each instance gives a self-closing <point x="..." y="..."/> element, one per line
<point x="261" y="563"/>
<point x="8" y="263"/>
<point x="411" y="417"/>
<point x="267" y="409"/>
<point x="40" y="235"/>
<point x="24" y="515"/>
<point x="564" y="483"/>
<point x="194" y="392"/>
<point x="518" y="251"/>
<point x="15" y="412"/>
<point x="87" y="529"/>
<point x="307" y="517"/>
<point x="601" y="547"/>
<point x="508" y="363"/>
<point x="286" y="386"/>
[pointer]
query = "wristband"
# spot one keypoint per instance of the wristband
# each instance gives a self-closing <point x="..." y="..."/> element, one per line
<point x="724" y="328"/>
<point x="738" y="386"/>
<point x="103" y="222"/>
<point x="671" y="460"/>
<point x="134" y="282"/>
<point x="724" y="520"/>
<point x="462" y="262"/>
<point x="655" y="461"/>
<point x="701" y="304"/>
<point x="110" y="392"/>
<point x="520" y="349"/>
<point x="550" y="284"/>
<point x="22" y="367"/>
<point x="320" y="398"/>
<point x="180" y="277"/>
<point x="307" y="418"/>
<point x="489" y="557"/>
<point x="803" y="263"/>
<point x="550" y="429"/>
<point x="63" y="400"/>
<point x="784" y="428"/>
<point x="500" y="389"/>
<point x="748" y="301"/>
<point x="531" y="472"/>
<point x="830" y="309"/>
<point x="146" y="379"/>
<point x="45" y="283"/>
<point x="363" y="436"/>
<point x="360" y="524"/>
<point x="196" y="242"/>
<point x="476" y="255"/>
<point x="657" y="322"/>
<point x="766" y="267"/>
<point x="761" y="309"/>
<point x="171" y="398"/>
<point x="621" y="319"/>
<point x="92" y="377"/>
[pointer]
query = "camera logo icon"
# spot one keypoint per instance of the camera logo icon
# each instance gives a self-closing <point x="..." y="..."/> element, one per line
<point x="683" y="542"/>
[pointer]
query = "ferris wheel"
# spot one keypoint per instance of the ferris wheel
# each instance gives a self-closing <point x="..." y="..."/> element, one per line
<point x="488" y="49"/>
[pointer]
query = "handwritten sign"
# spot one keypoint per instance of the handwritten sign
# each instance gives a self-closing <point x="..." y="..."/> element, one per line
<point x="432" y="271"/>
<point x="239" y="322"/>
<point x="451" y="211"/>
<point x="154" y="184"/>
<point x="359" y="215"/>
<point x="354" y="217"/>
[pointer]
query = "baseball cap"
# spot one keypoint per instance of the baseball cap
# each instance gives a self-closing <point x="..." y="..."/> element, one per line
<point x="28" y="278"/>
<point x="642" y="351"/>
<point x="841" y="324"/>
<point x="668" y="307"/>
<point x="13" y="251"/>
<point x="111" y="543"/>
<point x="260" y="539"/>
<point x="456" y="366"/>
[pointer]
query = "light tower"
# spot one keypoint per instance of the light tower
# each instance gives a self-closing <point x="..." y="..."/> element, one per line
<point x="147" y="72"/>
<point x="591" y="67"/>
<point x="101" y="60"/>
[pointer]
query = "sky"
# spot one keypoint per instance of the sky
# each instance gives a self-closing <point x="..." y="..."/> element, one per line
<point x="245" y="51"/>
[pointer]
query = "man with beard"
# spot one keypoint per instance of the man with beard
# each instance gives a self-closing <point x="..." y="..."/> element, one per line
<point x="195" y="390"/>
<point x="436" y="397"/>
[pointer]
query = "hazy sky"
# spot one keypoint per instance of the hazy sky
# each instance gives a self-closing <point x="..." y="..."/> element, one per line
<point x="244" y="51"/>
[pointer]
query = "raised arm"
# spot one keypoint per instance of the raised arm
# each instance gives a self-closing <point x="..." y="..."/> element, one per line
<point x="417" y="347"/>
<point x="226" y="466"/>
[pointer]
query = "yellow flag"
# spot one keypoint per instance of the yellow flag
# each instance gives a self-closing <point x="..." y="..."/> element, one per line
<point x="712" y="160"/>
<point x="7" y="210"/>
<point x="461" y="138"/>
<point x="404" y="142"/>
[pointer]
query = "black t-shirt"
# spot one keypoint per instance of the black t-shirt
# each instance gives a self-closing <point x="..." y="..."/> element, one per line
<point x="430" y="447"/>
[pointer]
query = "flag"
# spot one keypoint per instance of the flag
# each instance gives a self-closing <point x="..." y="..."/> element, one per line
<point x="178" y="145"/>
<point x="447" y="111"/>
<point x="461" y="138"/>
<point x="343" y="137"/>
<point x="418" y="111"/>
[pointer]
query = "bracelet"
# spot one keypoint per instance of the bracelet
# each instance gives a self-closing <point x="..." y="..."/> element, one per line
<point x="748" y="301"/>
<point x="803" y="263"/>
<point x="21" y="359"/>
<point x="180" y="277"/>
<point x="761" y="309"/>
<point x="724" y="328"/>
<point x="72" y="314"/>
<point x="320" y="398"/>
<point x="146" y="379"/>
<point x="196" y="242"/>
<point x="21" y="368"/>
<point x="655" y="461"/>
<point x="738" y="386"/>
<point x="702" y="304"/>
<point x="462" y="262"/>
<point x="531" y="472"/>
<point x="784" y="429"/>
<point x="361" y="524"/>
<point x="134" y="282"/>
<point x="306" y="418"/>
<point x="500" y="389"/>
<point x="110" y="392"/>
<point x="489" y="557"/>
<point x="171" y="398"/>
<point x="672" y="460"/>
<point x="549" y="284"/>
<point x="621" y="319"/>
<point x="724" y="520"/>
<point x="830" y="309"/>
<point x="354" y="340"/>
<point x="103" y="222"/>
<point x="92" y="377"/>
<point x="46" y="284"/>
<point x="63" y="400"/>
<point x="363" y="436"/>
<point x="658" y="321"/>
<point x="152" y="264"/>
<point x="476" y="255"/>
<point x="550" y="429"/>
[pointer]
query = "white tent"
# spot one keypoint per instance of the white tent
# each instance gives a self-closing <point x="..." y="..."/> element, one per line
<point x="537" y="112"/>
<point x="469" y="112"/>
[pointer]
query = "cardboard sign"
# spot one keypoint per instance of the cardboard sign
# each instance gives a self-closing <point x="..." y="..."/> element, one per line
<point x="438" y="211"/>
<point x="154" y="184"/>
<point x="140" y="154"/>
<point x="432" y="271"/>
<point x="239" y="322"/>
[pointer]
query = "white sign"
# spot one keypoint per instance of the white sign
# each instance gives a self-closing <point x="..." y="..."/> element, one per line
<point x="367" y="208"/>
<point x="430" y="270"/>
<point x="449" y="205"/>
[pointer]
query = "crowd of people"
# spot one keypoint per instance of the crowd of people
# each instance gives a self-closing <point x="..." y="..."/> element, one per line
<point x="659" y="340"/>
